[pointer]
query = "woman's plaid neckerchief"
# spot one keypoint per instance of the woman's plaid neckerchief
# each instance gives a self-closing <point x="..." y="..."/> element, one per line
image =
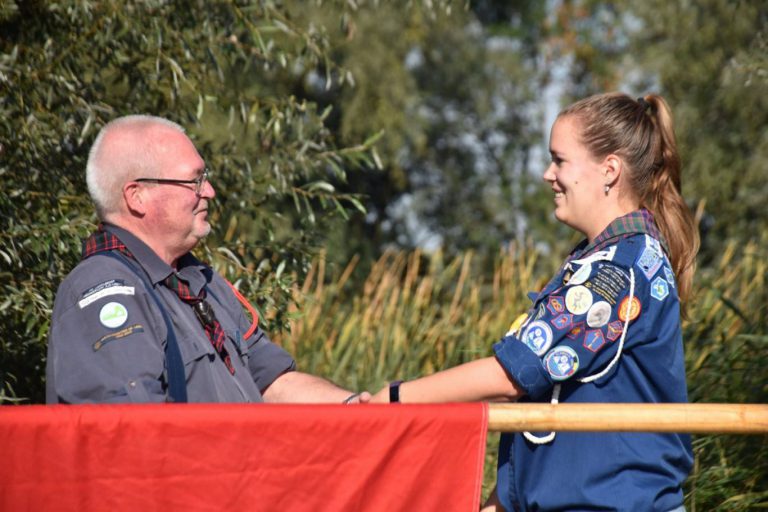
<point x="102" y="241"/>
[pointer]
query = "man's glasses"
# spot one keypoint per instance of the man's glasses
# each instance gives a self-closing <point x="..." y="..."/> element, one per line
<point x="199" y="182"/>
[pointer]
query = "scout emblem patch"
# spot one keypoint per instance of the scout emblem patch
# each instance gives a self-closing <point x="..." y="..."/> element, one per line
<point x="659" y="288"/>
<point x="650" y="259"/>
<point x="578" y="300"/>
<point x="594" y="340"/>
<point x="627" y="314"/>
<point x="538" y="337"/>
<point x="113" y="315"/>
<point x="614" y="330"/>
<point x="561" y="362"/>
<point x="599" y="314"/>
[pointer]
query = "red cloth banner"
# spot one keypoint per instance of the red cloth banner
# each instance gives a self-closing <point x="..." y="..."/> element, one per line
<point x="206" y="457"/>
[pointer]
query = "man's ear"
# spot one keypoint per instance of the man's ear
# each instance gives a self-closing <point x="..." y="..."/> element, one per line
<point x="135" y="198"/>
<point x="613" y="166"/>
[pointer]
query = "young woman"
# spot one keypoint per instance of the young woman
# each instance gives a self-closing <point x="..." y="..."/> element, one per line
<point x="607" y="326"/>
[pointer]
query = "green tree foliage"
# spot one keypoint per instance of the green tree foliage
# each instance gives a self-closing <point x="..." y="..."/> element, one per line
<point x="226" y="71"/>
<point x="708" y="58"/>
<point x="454" y="92"/>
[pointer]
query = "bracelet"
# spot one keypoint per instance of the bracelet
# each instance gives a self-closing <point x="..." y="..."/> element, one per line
<point x="350" y="398"/>
<point x="394" y="391"/>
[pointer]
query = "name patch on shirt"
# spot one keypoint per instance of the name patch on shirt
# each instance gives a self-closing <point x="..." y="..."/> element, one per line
<point x="105" y="289"/>
<point x="609" y="282"/>
<point x="122" y="333"/>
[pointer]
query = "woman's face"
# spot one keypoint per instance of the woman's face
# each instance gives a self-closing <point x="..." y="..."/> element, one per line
<point x="576" y="179"/>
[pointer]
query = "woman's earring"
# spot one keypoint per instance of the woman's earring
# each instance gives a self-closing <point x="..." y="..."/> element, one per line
<point x="607" y="188"/>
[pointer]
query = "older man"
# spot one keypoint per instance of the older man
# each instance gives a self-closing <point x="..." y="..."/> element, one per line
<point x="142" y="320"/>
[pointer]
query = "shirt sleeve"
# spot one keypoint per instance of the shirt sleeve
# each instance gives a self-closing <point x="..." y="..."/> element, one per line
<point x="573" y="331"/>
<point x="105" y="344"/>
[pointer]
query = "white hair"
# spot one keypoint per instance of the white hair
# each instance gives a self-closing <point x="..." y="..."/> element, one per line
<point x="123" y="150"/>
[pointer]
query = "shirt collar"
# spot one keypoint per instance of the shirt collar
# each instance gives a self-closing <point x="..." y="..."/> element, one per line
<point x="638" y="221"/>
<point x="189" y="268"/>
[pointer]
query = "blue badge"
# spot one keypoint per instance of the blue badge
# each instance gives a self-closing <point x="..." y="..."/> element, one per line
<point x="562" y="322"/>
<point x="659" y="288"/>
<point x="670" y="276"/>
<point x="649" y="262"/>
<point x="538" y="337"/>
<point x="556" y="304"/>
<point x="594" y="340"/>
<point x="577" y="331"/>
<point x="561" y="362"/>
<point x="615" y="329"/>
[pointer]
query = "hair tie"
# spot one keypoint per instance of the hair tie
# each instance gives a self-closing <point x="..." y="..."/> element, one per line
<point x="646" y="106"/>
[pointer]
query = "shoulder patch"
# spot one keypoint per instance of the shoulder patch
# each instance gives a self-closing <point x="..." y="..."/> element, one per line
<point x="651" y="259"/>
<point x="113" y="315"/>
<point x="659" y="288"/>
<point x="105" y="289"/>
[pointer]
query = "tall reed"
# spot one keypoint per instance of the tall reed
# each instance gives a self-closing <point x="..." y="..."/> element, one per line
<point x="415" y="314"/>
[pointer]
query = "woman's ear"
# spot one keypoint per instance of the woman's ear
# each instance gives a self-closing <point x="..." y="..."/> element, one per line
<point x="612" y="169"/>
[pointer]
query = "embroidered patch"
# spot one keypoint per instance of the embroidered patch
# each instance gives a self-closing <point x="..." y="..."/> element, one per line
<point x="659" y="288"/>
<point x="578" y="300"/>
<point x="609" y="282"/>
<point x="520" y="320"/>
<point x="113" y="315"/>
<point x="577" y="331"/>
<point x="614" y="330"/>
<point x="650" y="259"/>
<point x="122" y="333"/>
<point x="562" y="322"/>
<point x="540" y="311"/>
<point x="538" y="337"/>
<point x="599" y="314"/>
<point x="594" y="340"/>
<point x="561" y="362"/>
<point x="105" y="289"/>
<point x="627" y="314"/>
<point x="556" y="304"/>
<point x="670" y="276"/>
<point x="580" y="275"/>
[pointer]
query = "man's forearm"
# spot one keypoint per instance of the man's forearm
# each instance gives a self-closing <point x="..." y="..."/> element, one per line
<point x="298" y="387"/>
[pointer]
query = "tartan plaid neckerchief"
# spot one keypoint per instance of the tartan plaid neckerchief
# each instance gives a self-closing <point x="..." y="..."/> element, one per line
<point x="638" y="221"/>
<point x="102" y="240"/>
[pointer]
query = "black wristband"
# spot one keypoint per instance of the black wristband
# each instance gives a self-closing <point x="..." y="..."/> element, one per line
<point x="394" y="391"/>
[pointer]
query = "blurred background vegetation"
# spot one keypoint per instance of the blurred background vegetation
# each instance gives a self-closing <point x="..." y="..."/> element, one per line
<point x="378" y="171"/>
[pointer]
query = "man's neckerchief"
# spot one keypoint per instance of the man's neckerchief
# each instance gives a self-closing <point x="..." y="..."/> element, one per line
<point x="102" y="241"/>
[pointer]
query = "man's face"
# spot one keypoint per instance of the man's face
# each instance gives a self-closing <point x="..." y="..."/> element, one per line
<point x="178" y="215"/>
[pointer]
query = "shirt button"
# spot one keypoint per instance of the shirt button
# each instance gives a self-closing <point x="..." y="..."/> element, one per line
<point x="132" y="384"/>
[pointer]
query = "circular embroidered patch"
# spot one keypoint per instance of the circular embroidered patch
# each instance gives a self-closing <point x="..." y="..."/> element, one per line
<point x="113" y="314"/>
<point x="561" y="362"/>
<point x="599" y="314"/>
<point x="578" y="300"/>
<point x="538" y="337"/>
<point x="634" y="311"/>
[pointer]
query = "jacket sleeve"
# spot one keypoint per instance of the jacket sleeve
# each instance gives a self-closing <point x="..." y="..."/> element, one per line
<point x="105" y="342"/>
<point x="574" y="331"/>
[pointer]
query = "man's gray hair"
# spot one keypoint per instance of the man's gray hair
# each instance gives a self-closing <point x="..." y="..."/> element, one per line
<point x="124" y="150"/>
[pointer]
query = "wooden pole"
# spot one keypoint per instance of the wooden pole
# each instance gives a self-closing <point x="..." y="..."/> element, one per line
<point x="602" y="417"/>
